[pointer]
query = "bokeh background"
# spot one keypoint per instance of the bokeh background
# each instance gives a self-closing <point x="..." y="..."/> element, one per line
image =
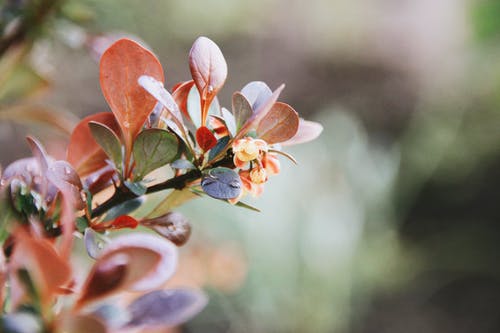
<point x="390" y="221"/>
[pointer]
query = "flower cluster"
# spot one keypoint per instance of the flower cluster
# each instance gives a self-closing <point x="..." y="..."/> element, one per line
<point x="255" y="162"/>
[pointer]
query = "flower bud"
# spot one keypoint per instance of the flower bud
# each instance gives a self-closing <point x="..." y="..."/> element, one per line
<point x="258" y="175"/>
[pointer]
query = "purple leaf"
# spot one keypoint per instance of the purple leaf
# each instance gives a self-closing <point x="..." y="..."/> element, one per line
<point x="166" y="308"/>
<point x="257" y="93"/>
<point x="173" y="226"/>
<point x="94" y="243"/>
<point x="221" y="183"/>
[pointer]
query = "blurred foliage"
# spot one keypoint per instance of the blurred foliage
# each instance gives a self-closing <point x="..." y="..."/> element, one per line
<point x="485" y="16"/>
<point x="386" y="231"/>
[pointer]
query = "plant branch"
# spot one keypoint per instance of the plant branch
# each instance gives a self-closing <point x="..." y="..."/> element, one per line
<point x="122" y="194"/>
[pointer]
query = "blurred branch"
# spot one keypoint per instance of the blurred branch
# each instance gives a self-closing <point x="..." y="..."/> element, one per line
<point x="22" y="113"/>
<point x="34" y="15"/>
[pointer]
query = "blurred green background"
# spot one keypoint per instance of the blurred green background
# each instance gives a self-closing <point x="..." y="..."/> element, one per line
<point x="390" y="221"/>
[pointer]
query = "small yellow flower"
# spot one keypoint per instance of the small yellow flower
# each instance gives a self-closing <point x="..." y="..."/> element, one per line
<point x="258" y="175"/>
<point x="247" y="149"/>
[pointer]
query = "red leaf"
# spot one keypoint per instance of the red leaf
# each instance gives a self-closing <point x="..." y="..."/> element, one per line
<point x="84" y="153"/>
<point x="180" y="94"/>
<point x="121" y="66"/>
<point x="124" y="221"/>
<point x="133" y="262"/>
<point x="280" y="124"/>
<point x="46" y="267"/>
<point x="206" y="140"/>
<point x="260" y="113"/>
<point x="209" y="71"/>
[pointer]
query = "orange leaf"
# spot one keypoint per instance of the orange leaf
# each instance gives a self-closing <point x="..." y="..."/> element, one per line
<point x="209" y="71"/>
<point x="83" y="151"/>
<point x="206" y="140"/>
<point x="180" y="94"/>
<point x="280" y="124"/>
<point x="47" y="268"/>
<point x="120" y="68"/>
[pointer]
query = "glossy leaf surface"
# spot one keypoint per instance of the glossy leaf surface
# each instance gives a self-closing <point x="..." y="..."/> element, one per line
<point x="173" y="226"/>
<point x="221" y="183"/>
<point x="108" y="141"/>
<point x="242" y="109"/>
<point x="206" y="140"/>
<point x="153" y="148"/>
<point x="84" y="153"/>
<point x="94" y="243"/>
<point x="219" y="147"/>
<point x="158" y="91"/>
<point x="180" y="94"/>
<point x="256" y="93"/>
<point x="260" y="113"/>
<point x="194" y="108"/>
<point x="279" y="124"/>
<point x="209" y="71"/>
<point x="121" y="66"/>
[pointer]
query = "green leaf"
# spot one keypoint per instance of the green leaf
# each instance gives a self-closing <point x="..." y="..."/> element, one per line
<point x="221" y="183"/>
<point x="124" y="209"/>
<point x="81" y="223"/>
<point x="221" y="144"/>
<point x="137" y="188"/>
<point x="247" y="206"/>
<point x="109" y="142"/>
<point x="153" y="148"/>
<point x="242" y="109"/>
